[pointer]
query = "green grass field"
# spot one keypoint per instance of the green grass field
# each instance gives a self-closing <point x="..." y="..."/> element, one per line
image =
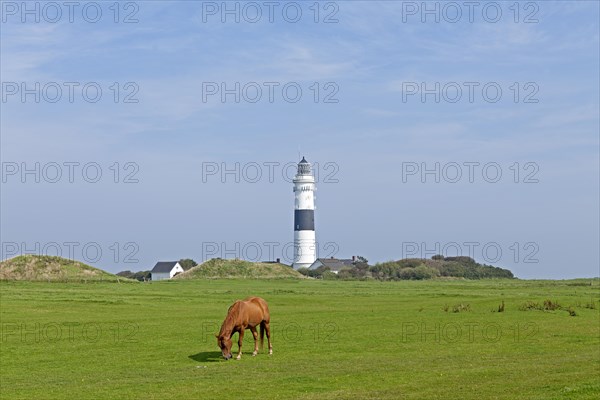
<point x="332" y="340"/>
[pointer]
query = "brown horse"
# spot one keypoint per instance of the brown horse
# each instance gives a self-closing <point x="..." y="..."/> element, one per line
<point x="242" y="315"/>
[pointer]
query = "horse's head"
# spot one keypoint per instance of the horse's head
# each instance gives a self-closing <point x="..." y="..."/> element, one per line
<point x="225" y="346"/>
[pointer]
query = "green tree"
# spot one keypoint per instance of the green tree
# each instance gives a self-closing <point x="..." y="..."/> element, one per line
<point x="139" y="275"/>
<point x="187" y="263"/>
<point x="142" y="276"/>
<point x="361" y="259"/>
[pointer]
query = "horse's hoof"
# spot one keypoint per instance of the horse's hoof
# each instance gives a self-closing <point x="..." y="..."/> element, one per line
<point x="238" y="358"/>
<point x="270" y="352"/>
<point x="254" y="354"/>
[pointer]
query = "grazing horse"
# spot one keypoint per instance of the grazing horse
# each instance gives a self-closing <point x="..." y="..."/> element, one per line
<point x="242" y="315"/>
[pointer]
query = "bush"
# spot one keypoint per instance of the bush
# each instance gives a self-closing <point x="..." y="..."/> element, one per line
<point x="461" y="259"/>
<point x="385" y="271"/>
<point x="424" y="272"/>
<point x="550" y="305"/>
<point x="406" y="273"/>
<point x="453" y="268"/>
<point x="591" y="305"/>
<point x="315" y="273"/>
<point x="329" y="275"/>
<point x="416" y="268"/>
<point x="529" y="305"/>
<point x="187" y="263"/>
<point x="346" y="273"/>
<point x="410" y="262"/>
<point x="361" y="270"/>
<point x="139" y="275"/>
<point x="461" y="307"/>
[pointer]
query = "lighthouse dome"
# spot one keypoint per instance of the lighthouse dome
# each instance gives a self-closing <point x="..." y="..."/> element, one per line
<point x="304" y="167"/>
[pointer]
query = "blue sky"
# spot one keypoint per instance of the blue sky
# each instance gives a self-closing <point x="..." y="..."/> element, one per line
<point x="363" y="143"/>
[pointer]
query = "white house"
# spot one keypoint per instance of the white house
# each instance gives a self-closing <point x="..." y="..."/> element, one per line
<point x="334" y="264"/>
<point x="165" y="270"/>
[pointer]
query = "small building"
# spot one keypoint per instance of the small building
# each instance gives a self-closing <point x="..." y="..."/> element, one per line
<point x="277" y="261"/>
<point x="334" y="264"/>
<point x="165" y="270"/>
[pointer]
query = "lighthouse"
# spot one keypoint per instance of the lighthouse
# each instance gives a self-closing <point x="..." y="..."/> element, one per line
<point x="305" y="248"/>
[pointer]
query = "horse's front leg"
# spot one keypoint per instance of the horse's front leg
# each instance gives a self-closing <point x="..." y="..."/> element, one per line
<point x="255" y="334"/>
<point x="240" y="338"/>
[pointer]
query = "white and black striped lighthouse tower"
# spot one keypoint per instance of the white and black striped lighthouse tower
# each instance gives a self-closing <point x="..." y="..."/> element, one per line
<point x="305" y="248"/>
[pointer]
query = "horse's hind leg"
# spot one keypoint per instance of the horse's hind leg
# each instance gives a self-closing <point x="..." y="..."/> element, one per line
<point x="240" y="338"/>
<point x="255" y="334"/>
<point x="268" y="331"/>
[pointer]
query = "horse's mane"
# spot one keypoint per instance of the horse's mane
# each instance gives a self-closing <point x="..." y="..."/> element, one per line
<point x="232" y="314"/>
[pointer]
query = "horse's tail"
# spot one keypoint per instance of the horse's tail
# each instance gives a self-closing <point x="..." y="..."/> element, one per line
<point x="262" y="334"/>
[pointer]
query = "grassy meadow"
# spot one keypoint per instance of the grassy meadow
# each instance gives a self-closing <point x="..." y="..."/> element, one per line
<point x="332" y="340"/>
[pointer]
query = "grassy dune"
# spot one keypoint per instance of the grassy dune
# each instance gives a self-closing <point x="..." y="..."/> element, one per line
<point x="218" y="268"/>
<point x="52" y="268"/>
<point x="332" y="340"/>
